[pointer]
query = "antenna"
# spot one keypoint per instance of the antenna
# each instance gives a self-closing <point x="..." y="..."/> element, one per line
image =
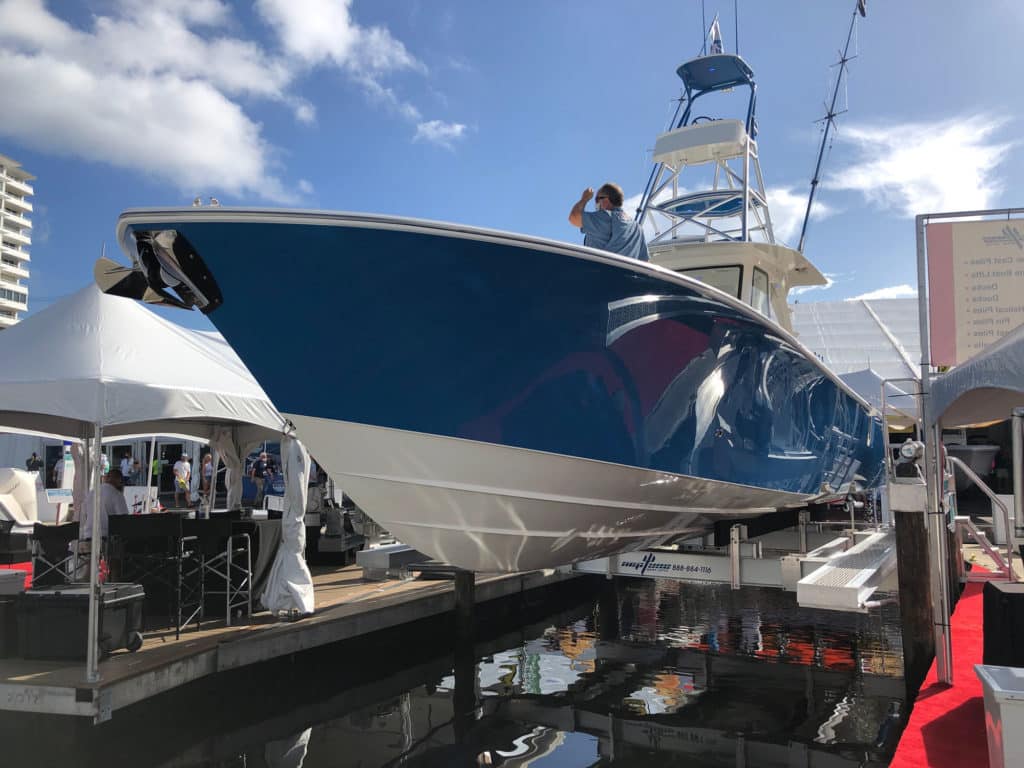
<point x="703" y="30"/>
<point x="830" y="117"/>
<point x="736" y="24"/>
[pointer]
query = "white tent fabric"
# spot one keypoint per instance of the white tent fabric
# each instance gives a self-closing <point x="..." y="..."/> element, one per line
<point x="880" y="334"/>
<point x="290" y="586"/>
<point x="227" y="443"/>
<point x="98" y="359"/>
<point x="98" y="362"/>
<point x="985" y="388"/>
<point x="900" y="407"/>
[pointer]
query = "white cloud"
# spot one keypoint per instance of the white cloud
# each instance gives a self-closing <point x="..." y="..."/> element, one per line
<point x="157" y="86"/>
<point x="312" y="30"/>
<point x="788" y="207"/>
<point x="802" y="289"/>
<point x="305" y="112"/>
<point x="386" y="96"/>
<point x="903" y="291"/>
<point x="439" y="132"/>
<point x="209" y="137"/>
<point x="305" y="186"/>
<point x="925" y="168"/>
<point x="318" y="31"/>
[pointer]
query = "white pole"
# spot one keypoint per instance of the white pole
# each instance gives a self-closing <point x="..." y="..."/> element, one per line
<point x="149" y="473"/>
<point x="936" y="520"/>
<point x="87" y="468"/>
<point x="1017" y="427"/>
<point x="92" y="668"/>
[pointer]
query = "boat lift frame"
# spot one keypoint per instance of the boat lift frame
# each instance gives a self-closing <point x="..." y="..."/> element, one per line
<point x="826" y="570"/>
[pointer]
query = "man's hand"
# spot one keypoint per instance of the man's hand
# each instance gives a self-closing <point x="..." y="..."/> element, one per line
<point x="576" y="214"/>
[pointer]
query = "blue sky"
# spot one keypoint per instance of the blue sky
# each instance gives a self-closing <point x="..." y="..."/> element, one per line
<point x="494" y="114"/>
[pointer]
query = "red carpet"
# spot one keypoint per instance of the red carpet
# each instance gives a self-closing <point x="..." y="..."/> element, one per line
<point x="27" y="567"/>
<point x="947" y="726"/>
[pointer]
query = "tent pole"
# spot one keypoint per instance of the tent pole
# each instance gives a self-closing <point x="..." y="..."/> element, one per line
<point x="87" y="468"/>
<point x="149" y="473"/>
<point x="1017" y="429"/>
<point x="92" y="669"/>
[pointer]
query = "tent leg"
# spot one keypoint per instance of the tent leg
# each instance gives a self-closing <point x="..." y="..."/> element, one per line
<point x="149" y="474"/>
<point x="1017" y="428"/>
<point x="92" y="665"/>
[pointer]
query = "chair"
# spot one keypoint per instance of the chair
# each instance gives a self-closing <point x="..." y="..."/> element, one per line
<point x="58" y="556"/>
<point x="226" y="562"/>
<point x="154" y="551"/>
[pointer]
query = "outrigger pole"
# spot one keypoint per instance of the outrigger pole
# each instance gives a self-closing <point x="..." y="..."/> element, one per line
<point x="830" y="117"/>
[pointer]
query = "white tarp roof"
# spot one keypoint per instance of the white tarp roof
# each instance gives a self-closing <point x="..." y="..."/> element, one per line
<point x="93" y="358"/>
<point x="849" y="336"/>
<point x="900" y="407"/>
<point x="985" y="388"/>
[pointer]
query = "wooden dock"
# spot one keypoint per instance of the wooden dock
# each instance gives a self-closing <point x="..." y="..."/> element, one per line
<point x="347" y="607"/>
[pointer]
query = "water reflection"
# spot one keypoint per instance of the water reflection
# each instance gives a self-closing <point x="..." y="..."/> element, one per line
<point x="649" y="673"/>
<point x="654" y="673"/>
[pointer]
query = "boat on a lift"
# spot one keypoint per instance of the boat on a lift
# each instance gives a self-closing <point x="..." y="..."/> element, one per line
<point x="512" y="403"/>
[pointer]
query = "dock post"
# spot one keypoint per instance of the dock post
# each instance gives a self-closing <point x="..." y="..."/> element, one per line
<point x="914" y="574"/>
<point x="608" y="612"/>
<point x="464" y="695"/>
<point x="464" y="605"/>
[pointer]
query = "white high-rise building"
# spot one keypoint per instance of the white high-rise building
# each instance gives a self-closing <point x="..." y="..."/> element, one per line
<point x="15" y="239"/>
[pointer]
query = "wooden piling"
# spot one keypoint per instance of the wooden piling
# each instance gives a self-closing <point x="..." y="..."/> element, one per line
<point x="914" y="569"/>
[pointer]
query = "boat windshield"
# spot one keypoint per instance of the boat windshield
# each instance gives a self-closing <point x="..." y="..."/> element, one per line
<point x="759" y="298"/>
<point x="726" y="279"/>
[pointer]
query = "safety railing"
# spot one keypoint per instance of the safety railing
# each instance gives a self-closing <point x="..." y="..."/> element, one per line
<point x="952" y="461"/>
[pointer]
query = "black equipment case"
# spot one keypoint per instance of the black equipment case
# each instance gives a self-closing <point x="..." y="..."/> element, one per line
<point x="53" y="623"/>
<point x="1003" y="617"/>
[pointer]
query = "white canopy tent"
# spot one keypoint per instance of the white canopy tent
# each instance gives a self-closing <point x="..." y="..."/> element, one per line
<point x="94" y="366"/>
<point x="986" y="388"/>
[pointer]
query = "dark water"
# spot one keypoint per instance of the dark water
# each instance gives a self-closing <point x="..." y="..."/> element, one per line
<point x="631" y="673"/>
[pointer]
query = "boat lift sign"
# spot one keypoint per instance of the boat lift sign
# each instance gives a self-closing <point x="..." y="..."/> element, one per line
<point x="975" y="285"/>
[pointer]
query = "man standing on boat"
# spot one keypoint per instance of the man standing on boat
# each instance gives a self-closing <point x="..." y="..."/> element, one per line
<point x="609" y="227"/>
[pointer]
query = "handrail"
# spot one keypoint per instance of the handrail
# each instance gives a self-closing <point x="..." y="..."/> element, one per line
<point x="954" y="461"/>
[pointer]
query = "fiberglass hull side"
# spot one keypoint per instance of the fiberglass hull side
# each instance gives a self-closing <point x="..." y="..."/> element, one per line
<point x="487" y="507"/>
<point x="526" y="345"/>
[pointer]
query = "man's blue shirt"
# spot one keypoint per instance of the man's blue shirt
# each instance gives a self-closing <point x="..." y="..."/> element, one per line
<point x="614" y="231"/>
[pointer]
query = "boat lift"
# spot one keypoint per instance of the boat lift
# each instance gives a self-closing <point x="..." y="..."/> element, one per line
<point x="835" y="572"/>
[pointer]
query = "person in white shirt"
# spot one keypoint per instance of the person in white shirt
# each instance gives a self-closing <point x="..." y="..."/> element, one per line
<point x="126" y="466"/>
<point x="182" y="480"/>
<point x="112" y="502"/>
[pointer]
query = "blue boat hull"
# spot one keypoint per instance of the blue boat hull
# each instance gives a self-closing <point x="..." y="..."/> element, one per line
<point x="528" y="345"/>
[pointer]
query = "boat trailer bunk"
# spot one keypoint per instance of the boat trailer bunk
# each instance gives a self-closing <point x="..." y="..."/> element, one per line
<point x="826" y="568"/>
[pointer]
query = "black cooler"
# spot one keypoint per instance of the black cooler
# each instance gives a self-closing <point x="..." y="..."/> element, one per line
<point x="53" y="623"/>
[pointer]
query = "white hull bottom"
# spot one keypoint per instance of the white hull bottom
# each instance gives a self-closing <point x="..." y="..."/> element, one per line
<point x="488" y="508"/>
